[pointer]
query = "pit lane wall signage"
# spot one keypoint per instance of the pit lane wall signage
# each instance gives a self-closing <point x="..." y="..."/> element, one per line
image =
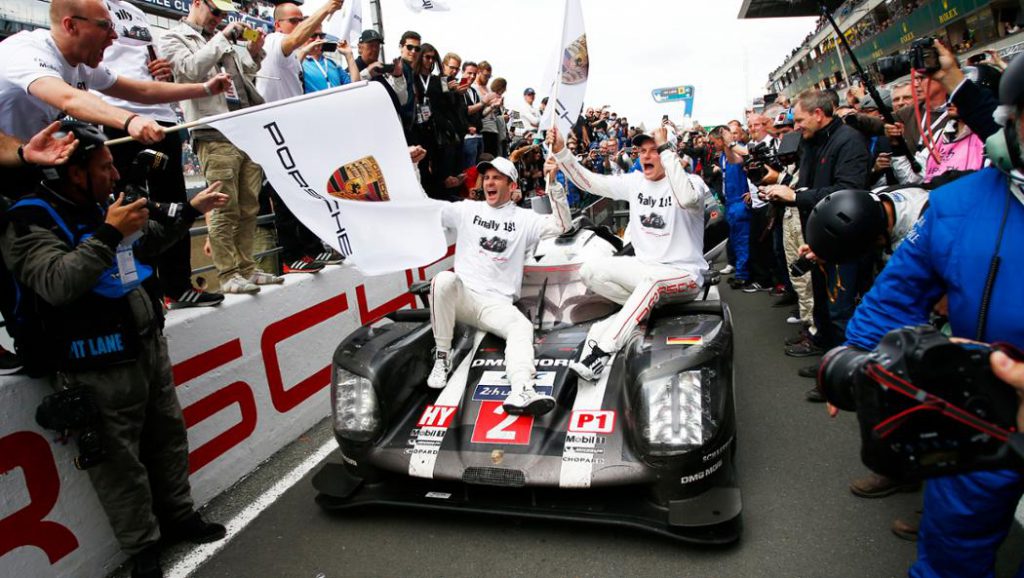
<point x="252" y="376"/>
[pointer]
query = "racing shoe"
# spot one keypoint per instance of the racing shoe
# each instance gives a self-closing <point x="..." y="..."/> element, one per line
<point x="592" y="364"/>
<point x="194" y="298"/>
<point x="305" y="264"/>
<point x="331" y="257"/>
<point x="528" y="402"/>
<point x="728" y="270"/>
<point x="754" y="287"/>
<point x="438" y="377"/>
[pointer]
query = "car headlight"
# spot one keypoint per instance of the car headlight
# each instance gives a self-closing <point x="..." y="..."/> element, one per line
<point x="354" y="406"/>
<point x="672" y="414"/>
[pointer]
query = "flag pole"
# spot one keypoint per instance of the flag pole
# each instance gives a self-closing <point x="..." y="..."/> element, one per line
<point x="553" y="101"/>
<point x="166" y="129"/>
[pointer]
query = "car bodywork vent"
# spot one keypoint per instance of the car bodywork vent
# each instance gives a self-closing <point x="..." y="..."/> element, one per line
<point x="503" y="477"/>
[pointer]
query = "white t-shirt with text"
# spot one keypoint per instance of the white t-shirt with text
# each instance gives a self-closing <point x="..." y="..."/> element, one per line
<point x="25" y="58"/>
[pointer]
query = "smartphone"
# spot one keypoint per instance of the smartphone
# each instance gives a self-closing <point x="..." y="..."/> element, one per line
<point x="664" y="118"/>
<point x="330" y="46"/>
<point x="800" y="267"/>
<point x="251" y="34"/>
<point x="464" y="82"/>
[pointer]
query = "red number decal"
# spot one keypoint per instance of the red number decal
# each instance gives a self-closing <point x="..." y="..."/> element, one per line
<point x="494" y="426"/>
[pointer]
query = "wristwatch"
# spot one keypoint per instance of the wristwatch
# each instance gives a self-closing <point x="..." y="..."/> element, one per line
<point x="664" y="147"/>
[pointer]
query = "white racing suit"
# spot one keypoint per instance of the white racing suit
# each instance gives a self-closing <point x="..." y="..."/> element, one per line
<point x="491" y="248"/>
<point x="666" y="224"/>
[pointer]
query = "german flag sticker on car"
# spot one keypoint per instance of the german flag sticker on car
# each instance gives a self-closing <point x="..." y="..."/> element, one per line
<point x="359" y="180"/>
<point x="685" y="340"/>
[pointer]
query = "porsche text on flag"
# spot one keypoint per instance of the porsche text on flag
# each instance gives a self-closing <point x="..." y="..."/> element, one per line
<point x="432" y="5"/>
<point x="345" y="174"/>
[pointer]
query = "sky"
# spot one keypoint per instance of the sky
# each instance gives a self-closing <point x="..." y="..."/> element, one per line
<point x="635" y="46"/>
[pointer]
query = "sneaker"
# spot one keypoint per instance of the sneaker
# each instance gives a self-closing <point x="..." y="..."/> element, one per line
<point x="735" y="283"/>
<point x="9" y="359"/>
<point x="728" y="270"/>
<point x="778" y="291"/>
<point x="804" y="349"/>
<point x="799" y="338"/>
<point x="306" y="264"/>
<point x="195" y="298"/>
<point x="146" y="564"/>
<point x="239" y="284"/>
<point x="438" y="377"/>
<point x="590" y="366"/>
<point x="810" y="371"/>
<point x="194" y="529"/>
<point x="528" y="402"/>
<point x="907" y="529"/>
<point x="331" y="257"/>
<point x="263" y="278"/>
<point x="754" y="287"/>
<point x="878" y="486"/>
<point x="814" y="396"/>
<point x="793" y="320"/>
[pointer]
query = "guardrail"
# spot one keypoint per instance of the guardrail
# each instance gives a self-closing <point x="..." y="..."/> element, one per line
<point x="260" y="220"/>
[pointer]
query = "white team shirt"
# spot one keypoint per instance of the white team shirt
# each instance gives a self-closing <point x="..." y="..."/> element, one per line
<point x="492" y="244"/>
<point x="666" y="217"/>
<point x="908" y="204"/>
<point x="278" y="66"/>
<point x="128" y="56"/>
<point x="27" y="57"/>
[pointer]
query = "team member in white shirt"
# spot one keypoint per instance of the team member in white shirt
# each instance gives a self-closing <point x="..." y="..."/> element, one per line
<point x="278" y="77"/>
<point x="44" y="75"/>
<point x="494" y="239"/>
<point x="666" y="224"/>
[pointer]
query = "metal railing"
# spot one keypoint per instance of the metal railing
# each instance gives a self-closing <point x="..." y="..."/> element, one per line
<point x="260" y="220"/>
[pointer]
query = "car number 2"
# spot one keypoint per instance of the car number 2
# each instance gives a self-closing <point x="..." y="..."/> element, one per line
<point x="494" y="426"/>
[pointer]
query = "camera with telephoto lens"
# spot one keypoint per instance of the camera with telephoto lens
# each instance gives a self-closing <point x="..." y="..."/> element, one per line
<point x="135" y="185"/>
<point x="922" y="57"/>
<point x="927" y="406"/>
<point x="74" y="410"/>
<point x="764" y="155"/>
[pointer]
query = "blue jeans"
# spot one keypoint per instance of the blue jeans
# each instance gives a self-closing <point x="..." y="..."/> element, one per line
<point x="471" y="149"/>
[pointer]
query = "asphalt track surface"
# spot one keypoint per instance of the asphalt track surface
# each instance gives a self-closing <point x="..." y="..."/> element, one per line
<point x="794" y="464"/>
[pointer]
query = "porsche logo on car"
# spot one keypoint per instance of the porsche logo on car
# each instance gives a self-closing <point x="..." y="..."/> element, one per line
<point x="359" y="180"/>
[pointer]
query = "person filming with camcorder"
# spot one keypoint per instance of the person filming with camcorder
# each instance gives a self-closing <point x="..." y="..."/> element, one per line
<point x="85" y="311"/>
<point x="947" y="407"/>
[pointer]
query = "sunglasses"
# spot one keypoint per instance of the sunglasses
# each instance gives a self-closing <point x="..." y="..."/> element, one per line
<point x="319" y="35"/>
<point x="217" y="12"/>
<point x="103" y="23"/>
<point x="412" y="47"/>
<point x="294" y="20"/>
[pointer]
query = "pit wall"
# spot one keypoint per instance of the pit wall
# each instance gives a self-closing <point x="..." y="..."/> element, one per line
<point x="252" y="376"/>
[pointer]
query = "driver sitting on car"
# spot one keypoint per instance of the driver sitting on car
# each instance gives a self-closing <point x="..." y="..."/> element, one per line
<point x="666" y="224"/>
<point x="494" y="239"/>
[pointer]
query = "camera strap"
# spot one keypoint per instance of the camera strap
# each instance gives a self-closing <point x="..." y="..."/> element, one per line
<point x="927" y="402"/>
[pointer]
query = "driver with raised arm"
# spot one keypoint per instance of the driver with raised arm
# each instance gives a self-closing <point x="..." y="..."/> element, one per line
<point x="666" y="224"/>
<point x="494" y="239"/>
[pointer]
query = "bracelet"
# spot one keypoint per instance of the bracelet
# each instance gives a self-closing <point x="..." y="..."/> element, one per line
<point x="21" y="155"/>
<point x="129" y="121"/>
<point x="206" y="87"/>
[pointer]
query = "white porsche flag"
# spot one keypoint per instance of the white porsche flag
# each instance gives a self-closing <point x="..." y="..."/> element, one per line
<point x="433" y="5"/>
<point x="338" y="159"/>
<point x="347" y="24"/>
<point x="570" y="86"/>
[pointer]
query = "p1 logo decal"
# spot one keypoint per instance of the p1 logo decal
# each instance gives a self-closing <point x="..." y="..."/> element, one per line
<point x="592" y="421"/>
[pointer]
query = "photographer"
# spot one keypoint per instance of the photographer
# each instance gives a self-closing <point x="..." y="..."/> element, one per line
<point x="90" y="316"/>
<point x="965" y="248"/>
<point x="833" y="156"/>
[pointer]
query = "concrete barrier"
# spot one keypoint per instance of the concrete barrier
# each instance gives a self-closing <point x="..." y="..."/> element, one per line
<point x="252" y="376"/>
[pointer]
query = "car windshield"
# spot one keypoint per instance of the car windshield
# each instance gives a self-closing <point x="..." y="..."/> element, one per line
<point x="566" y="300"/>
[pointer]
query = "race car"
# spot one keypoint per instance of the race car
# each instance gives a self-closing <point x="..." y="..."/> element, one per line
<point x="650" y="445"/>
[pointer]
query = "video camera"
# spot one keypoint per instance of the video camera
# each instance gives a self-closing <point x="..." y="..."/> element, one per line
<point x="74" y="410"/>
<point x="763" y="155"/>
<point x="927" y="406"/>
<point x="135" y="185"/>
<point x="922" y="57"/>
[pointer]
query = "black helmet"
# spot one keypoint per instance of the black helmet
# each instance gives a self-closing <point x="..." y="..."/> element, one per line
<point x="89" y="138"/>
<point x="1011" y="85"/>
<point x="845" y="225"/>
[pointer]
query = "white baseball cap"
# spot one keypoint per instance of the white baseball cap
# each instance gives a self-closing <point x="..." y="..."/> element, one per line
<point x="502" y="165"/>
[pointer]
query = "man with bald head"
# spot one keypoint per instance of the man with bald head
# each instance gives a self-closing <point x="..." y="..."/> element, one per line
<point x="278" y="77"/>
<point x="45" y="74"/>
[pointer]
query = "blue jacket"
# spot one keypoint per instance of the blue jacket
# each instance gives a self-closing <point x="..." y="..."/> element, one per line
<point x="948" y="252"/>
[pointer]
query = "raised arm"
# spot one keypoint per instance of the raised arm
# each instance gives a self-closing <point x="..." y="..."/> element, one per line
<point x="683" y="191"/>
<point x="613" y="187"/>
<point x="152" y="92"/>
<point x="87" y="107"/>
<point x="560" y="219"/>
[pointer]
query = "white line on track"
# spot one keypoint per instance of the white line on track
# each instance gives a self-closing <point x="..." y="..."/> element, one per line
<point x="199" y="555"/>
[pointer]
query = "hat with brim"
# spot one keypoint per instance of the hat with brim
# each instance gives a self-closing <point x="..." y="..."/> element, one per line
<point x="370" y="35"/>
<point x="641" y="138"/>
<point x="529" y="91"/>
<point x="225" y="5"/>
<point x="500" y="164"/>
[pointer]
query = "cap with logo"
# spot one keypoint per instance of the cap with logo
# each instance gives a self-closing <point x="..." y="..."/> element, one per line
<point x="641" y="138"/>
<point x="500" y="164"/>
<point x="370" y="35"/>
<point x="529" y="91"/>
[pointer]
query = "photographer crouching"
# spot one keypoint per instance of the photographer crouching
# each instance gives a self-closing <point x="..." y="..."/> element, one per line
<point x="966" y="247"/>
<point x="89" y="316"/>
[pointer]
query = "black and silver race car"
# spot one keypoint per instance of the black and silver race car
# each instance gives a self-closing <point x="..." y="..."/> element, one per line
<point x="651" y="445"/>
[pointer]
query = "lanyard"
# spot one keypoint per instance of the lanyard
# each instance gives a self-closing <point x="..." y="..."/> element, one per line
<point x="323" y="69"/>
<point x="425" y="80"/>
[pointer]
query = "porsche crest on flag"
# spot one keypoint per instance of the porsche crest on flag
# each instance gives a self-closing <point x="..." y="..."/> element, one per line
<point x="570" y="85"/>
<point x="345" y="174"/>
